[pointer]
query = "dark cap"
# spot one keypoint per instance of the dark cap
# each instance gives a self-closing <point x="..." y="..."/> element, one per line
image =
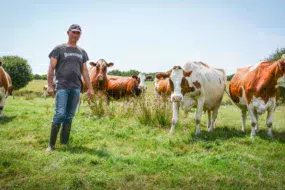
<point x="75" y="27"/>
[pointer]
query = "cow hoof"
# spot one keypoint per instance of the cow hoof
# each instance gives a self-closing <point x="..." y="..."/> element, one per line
<point x="256" y="129"/>
<point x="170" y="133"/>
<point x="270" y="135"/>
<point x="210" y="129"/>
<point x="253" y="135"/>
<point x="243" y="129"/>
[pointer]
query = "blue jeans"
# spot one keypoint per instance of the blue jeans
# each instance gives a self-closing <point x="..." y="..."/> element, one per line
<point x="65" y="105"/>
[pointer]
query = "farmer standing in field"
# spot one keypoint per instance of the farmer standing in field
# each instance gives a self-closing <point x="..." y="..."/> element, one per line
<point x="67" y="63"/>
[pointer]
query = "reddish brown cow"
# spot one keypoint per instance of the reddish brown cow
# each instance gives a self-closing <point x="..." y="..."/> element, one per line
<point x="5" y="87"/>
<point x="98" y="77"/>
<point x="119" y="87"/>
<point x="254" y="89"/>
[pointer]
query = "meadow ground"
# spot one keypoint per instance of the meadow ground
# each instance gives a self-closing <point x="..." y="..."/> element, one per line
<point x="128" y="149"/>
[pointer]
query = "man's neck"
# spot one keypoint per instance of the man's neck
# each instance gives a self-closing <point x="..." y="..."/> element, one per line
<point x="71" y="44"/>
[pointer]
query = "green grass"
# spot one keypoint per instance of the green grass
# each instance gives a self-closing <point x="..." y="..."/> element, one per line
<point x="116" y="151"/>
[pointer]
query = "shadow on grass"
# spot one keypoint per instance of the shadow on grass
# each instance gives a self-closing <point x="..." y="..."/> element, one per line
<point x="277" y="135"/>
<point x="225" y="133"/>
<point x="6" y="119"/>
<point x="219" y="133"/>
<point x="100" y="152"/>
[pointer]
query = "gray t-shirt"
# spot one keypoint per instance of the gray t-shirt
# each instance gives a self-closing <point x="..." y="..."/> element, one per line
<point x="69" y="66"/>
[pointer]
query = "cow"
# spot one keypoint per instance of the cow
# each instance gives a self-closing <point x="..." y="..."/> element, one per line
<point x="120" y="87"/>
<point x="162" y="85"/>
<point x="5" y="87"/>
<point x="98" y="77"/>
<point x="254" y="89"/>
<point x="45" y="89"/>
<point x="196" y="84"/>
<point x="141" y="78"/>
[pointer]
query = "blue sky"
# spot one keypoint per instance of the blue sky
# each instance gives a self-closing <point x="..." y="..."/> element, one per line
<point x="149" y="36"/>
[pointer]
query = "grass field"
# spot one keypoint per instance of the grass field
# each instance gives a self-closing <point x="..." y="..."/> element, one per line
<point x="117" y="151"/>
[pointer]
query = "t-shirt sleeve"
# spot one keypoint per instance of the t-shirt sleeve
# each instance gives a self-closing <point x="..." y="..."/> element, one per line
<point x="85" y="57"/>
<point x="54" y="53"/>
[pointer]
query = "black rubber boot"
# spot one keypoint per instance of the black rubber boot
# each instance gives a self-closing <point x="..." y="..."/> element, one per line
<point x="53" y="135"/>
<point x="64" y="133"/>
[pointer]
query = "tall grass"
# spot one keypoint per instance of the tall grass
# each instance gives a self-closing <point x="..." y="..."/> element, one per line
<point x="154" y="112"/>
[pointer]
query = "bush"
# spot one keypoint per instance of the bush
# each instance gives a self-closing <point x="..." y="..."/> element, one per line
<point x="19" y="70"/>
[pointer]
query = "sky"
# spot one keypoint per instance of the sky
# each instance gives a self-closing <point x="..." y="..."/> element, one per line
<point x="147" y="35"/>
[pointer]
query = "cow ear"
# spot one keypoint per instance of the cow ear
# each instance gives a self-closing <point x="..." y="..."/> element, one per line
<point x="0" y="63"/>
<point x="168" y="73"/>
<point x="110" y="64"/>
<point x="148" y="78"/>
<point x="283" y="57"/>
<point x="135" y="77"/>
<point x="187" y="73"/>
<point x="159" y="75"/>
<point x="93" y="64"/>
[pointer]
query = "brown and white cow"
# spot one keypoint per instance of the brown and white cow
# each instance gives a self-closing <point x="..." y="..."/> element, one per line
<point x="254" y="89"/>
<point x="98" y="77"/>
<point x="141" y="78"/>
<point x="45" y="89"/>
<point x="204" y="89"/>
<point x="162" y="85"/>
<point x="5" y="87"/>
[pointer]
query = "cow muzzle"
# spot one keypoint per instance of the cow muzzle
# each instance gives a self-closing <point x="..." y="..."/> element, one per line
<point x="176" y="98"/>
<point x="100" y="78"/>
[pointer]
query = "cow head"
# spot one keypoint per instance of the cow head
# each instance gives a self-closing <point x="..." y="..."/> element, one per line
<point x="281" y="67"/>
<point x="98" y="73"/>
<point x="141" y="80"/>
<point x="178" y="83"/>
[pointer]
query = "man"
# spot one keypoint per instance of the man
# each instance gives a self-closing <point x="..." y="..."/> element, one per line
<point x="69" y="63"/>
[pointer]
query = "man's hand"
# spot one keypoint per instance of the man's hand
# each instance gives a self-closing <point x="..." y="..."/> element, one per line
<point x="50" y="91"/>
<point x="90" y="93"/>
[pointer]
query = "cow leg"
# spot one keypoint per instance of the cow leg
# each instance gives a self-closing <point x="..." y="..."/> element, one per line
<point x="269" y="119"/>
<point x="78" y="105"/>
<point x="253" y="120"/>
<point x="243" y="116"/>
<point x="214" y="117"/>
<point x="175" y="108"/>
<point x="199" y="111"/>
<point x="257" y="126"/>
<point x="209" y="118"/>
<point x="45" y="95"/>
<point x="2" y="102"/>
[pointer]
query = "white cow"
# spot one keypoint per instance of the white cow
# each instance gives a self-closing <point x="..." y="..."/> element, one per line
<point x="204" y="88"/>
<point x="45" y="91"/>
<point x="141" y="79"/>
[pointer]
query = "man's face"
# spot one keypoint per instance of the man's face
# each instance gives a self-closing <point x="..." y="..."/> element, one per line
<point x="73" y="36"/>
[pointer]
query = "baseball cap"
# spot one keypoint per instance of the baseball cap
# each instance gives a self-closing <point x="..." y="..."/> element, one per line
<point x="75" y="27"/>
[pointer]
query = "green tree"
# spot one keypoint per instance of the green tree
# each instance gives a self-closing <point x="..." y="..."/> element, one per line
<point x="37" y="77"/>
<point x="44" y="77"/>
<point x="19" y="70"/>
<point x="229" y="77"/>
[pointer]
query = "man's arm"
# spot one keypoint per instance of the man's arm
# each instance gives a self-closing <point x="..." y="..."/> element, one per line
<point x="87" y="81"/>
<point x="50" y="75"/>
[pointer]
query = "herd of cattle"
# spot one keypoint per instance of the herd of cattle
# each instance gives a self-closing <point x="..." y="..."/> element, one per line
<point x="194" y="84"/>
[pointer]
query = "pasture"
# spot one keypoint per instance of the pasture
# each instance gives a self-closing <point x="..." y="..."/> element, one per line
<point x="121" y="150"/>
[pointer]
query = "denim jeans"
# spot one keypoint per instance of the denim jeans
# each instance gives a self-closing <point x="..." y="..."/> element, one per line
<point x="65" y="105"/>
